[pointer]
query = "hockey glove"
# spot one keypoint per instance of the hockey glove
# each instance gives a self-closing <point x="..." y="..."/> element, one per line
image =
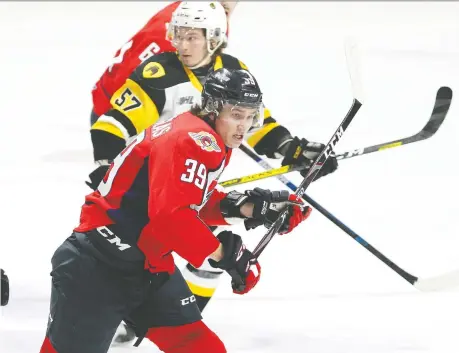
<point x="239" y="262"/>
<point x="267" y="206"/>
<point x="97" y="175"/>
<point x="302" y="153"/>
<point x="5" y="288"/>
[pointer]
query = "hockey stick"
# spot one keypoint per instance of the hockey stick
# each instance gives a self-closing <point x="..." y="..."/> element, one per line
<point x="263" y="175"/>
<point x="440" y="109"/>
<point x="439" y="112"/>
<point x="428" y="284"/>
<point x="312" y="172"/>
<point x="353" y="69"/>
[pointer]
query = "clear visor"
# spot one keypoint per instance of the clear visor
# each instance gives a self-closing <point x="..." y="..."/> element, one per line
<point x="253" y="110"/>
<point x="195" y="37"/>
<point x="191" y="35"/>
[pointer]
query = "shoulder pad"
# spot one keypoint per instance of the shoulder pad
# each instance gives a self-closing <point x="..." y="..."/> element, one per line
<point x="153" y="70"/>
<point x="160" y="71"/>
<point x="231" y="62"/>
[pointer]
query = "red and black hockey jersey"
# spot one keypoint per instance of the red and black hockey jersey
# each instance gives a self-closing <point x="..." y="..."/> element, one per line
<point x="160" y="190"/>
<point x="150" y="40"/>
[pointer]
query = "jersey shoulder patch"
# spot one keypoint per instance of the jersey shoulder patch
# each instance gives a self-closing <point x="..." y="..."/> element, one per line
<point x="153" y="70"/>
<point x="205" y="140"/>
<point x="161" y="71"/>
<point x="156" y="66"/>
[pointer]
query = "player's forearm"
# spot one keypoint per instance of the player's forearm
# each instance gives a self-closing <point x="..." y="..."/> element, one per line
<point x="217" y="255"/>
<point x="211" y="213"/>
<point x="247" y="210"/>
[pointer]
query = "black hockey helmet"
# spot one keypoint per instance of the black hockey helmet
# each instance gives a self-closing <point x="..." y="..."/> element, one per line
<point x="237" y="87"/>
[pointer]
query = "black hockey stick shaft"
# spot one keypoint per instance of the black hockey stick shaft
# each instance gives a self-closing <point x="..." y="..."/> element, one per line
<point x="408" y="277"/>
<point x="312" y="172"/>
<point x="439" y="112"/>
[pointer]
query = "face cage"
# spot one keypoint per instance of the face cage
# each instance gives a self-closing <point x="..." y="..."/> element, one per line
<point x="218" y="37"/>
<point x="216" y="105"/>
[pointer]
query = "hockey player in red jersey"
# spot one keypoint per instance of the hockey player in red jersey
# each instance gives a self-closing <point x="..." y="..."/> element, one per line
<point x="149" y="41"/>
<point x="153" y="201"/>
<point x="167" y="84"/>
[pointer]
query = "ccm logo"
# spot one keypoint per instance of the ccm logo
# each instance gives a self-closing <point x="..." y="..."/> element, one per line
<point x="112" y="238"/>
<point x="254" y="95"/>
<point x="188" y="300"/>
<point x="334" y="141"/>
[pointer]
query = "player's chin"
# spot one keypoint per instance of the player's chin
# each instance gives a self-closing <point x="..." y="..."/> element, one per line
<point x="189" y="61"/>
<point x="235" y="141"/>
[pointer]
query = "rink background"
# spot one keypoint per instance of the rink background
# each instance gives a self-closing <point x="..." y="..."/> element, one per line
<point x="403" y="201"/>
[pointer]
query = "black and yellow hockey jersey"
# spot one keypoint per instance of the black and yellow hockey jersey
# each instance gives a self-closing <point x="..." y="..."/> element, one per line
<point x="161" y="88"/>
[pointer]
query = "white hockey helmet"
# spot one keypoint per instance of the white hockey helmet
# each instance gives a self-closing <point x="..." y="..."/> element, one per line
<point x="208" y="15"/>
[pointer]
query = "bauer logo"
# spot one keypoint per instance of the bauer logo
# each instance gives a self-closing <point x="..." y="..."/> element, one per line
<point x="206" y="141"/>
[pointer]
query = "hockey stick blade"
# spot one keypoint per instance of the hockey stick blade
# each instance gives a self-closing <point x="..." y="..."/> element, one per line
<point x="312" y="172"/>
<point x="439" y="112"/>
<point x="446" y="281"/>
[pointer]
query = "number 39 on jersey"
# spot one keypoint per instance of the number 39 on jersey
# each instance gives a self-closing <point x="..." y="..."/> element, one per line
<point x="196" y="173"/>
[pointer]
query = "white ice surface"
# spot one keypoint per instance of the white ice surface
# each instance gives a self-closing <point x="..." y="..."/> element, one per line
<point x="320" y="290"/>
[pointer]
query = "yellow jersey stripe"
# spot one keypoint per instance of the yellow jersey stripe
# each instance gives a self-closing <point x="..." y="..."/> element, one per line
<point x="258" y="135"/>
<point x="201" y="291"/>
<point x="104" y="126"/>
<point x="134" y="103"/>
<point x="218" y="63"/>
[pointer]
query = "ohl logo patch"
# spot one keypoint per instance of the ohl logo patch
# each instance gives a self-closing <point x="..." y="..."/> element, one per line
<point x="205" y="140"/>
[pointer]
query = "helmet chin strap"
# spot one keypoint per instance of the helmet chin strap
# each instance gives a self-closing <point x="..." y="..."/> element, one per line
<point x="206" y="60"/>
<point x="203" y="62"/>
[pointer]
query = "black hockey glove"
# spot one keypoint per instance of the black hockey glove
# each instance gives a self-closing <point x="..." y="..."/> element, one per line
<point x="5" y="288"/>
<point x="97" y="175"/>
<point x="302" y="152"/>
<point x="239" y="262"/>
<point x="267" y="206"/>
